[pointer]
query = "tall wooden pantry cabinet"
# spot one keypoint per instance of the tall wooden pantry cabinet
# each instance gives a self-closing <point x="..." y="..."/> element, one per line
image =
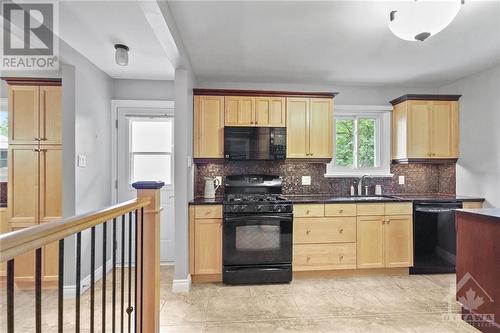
<point x="34" y="166"/>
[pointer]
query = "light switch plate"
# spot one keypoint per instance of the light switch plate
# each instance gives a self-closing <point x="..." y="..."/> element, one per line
<point x="401" y="180"/>
<point x="306" y="180"/>
<point x="82" y="161"/>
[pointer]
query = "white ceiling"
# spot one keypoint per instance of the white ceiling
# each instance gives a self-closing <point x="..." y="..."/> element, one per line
<point x="93" y="27"/>
<point x="346" y="42"/>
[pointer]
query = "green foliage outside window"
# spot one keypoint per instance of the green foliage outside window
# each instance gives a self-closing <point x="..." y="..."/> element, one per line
<point x="345" y="141"/>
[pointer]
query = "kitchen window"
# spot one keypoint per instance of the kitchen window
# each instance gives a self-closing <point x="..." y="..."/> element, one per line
<point x="361" y="142"/>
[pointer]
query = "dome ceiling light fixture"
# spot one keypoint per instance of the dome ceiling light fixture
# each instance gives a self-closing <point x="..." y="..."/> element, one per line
<point x="121" y="54"/>
<point x="417" y="20"/>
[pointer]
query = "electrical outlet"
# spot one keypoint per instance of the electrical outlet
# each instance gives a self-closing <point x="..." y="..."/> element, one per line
<point x="306" y="180"/>
<point x="401" y="180"/>
<point x="218" y="179"/>
<point x="82" y="161"/>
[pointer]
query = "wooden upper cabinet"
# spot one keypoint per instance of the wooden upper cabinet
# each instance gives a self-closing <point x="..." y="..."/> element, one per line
<point x="426" y="129"/>
<point x="297" y="127"/>
<point x="398" y="241"/>
<point x="310" y="128"/>
<point x="270" y="112"/>
<point x="419" y="129"/>
<point x="24" y="114"/>
<point x="208" y="126"/>
<point x="239" y="111"/>
<point x="50" y="115"/>
<point x="23" y="185"/>
<point x="444" y="132"/>
<point x="320" y="128"/>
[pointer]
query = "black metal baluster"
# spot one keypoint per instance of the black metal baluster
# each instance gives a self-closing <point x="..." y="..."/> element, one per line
<point x="122" y="312"/>
<point x="10" y="296"/>
<point x="38" y="290"/>
<point x="92" y="277"/>
<point x="142" y="264"/>
<point x="129" y="309"/>
<point x="78" y="280"/>
<point x="61" y="287"/>
<point x="135" y="271"/>
<point x="113" y="325"/>
<point x="104" y="255"/>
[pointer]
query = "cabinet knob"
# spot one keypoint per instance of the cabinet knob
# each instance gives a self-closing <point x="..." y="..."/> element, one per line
<point x="312" y="154"/>
<point x="36" y="150"/>
<point x="341" y="257"/>
<point x="208" y="212"/>
<point x="37" y="139"/>
<point x="308" y="211"/>
<point x="388" y="221"/>
<point x="308" y="232"/>
<point x="308" y="258"/>
<point x="341" y="230"/>
<point x="383" y="221"/>
<point x="341" y="211"/>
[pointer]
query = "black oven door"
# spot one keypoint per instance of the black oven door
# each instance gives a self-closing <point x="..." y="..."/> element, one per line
<point x="258" y="239"/>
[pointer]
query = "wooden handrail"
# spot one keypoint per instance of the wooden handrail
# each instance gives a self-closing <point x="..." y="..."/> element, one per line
<point x="18" y="242"/>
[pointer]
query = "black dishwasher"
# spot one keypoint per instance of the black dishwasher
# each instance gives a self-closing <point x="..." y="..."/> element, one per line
<point x="434" y="237"/>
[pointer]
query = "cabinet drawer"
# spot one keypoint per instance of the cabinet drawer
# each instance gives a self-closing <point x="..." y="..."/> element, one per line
<point x="340" y="210"/>
<point x="208" y="212"/>
<point x="309" y="210"/>
<point x="399" y="208"/>
<point x="311" y="257"/>
<point x="370" y="209"/>
<point x="324" y="230"/>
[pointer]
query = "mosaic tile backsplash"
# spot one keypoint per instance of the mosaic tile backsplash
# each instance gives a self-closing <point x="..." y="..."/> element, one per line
<point x="419" y="178"/>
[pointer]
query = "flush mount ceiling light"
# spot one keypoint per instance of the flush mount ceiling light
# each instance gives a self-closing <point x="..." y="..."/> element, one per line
<point x="417" y="20"/>
<point x="121" y="54"/>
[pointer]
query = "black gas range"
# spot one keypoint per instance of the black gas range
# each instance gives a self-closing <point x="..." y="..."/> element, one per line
<point x="257" y="231"/>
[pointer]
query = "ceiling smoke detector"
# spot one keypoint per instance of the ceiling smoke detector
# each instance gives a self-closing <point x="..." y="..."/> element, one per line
<point x="417" y="20"/>
<point x="121" y="54"/>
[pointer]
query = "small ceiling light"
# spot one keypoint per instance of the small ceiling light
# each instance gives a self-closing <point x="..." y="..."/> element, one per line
<point x="417" y="20"/>
<point x="121" y="54"/>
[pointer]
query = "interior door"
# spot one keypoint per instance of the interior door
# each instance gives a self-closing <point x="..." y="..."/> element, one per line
<point x="145" y="151"/>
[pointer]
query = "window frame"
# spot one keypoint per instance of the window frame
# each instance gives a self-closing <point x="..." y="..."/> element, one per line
<point x="382" y="116"/>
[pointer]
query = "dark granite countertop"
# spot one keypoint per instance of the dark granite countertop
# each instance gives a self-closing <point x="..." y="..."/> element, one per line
<point x="488" y="212"/>
<point x="436" y="197"/>
<point x="326" y="198"/>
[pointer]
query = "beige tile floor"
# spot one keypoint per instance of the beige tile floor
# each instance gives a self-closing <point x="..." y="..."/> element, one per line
<point x="416" y="304"/>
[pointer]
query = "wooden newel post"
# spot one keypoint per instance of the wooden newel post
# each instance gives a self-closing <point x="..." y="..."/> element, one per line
<point x="150" y="265"/>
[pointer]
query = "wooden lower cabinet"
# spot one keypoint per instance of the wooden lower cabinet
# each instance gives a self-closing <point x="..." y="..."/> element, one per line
<point x="308" y="257"/>
<point x="384" y="241"/>
<point x="324" y="230"/>
<point x="205" y="242"/>
<point x="370" y="242"/>
<point x="472" y="204"/>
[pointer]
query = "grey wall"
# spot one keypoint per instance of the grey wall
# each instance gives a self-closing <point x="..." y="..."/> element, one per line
<point x="143" y="89"/>
<point x="183" y="169"/>
<point x="478" y="169"/>
<point x="348" y="95"/>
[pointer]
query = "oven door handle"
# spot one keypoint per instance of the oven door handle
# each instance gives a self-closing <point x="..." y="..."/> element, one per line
<point x="288" y="218"/>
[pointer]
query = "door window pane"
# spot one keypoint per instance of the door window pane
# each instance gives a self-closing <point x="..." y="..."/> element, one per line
<point x="151" y="136"/>
<point x="366" y="143"/>
<point x="344" y="143"/>
<point x="152" y="167"/>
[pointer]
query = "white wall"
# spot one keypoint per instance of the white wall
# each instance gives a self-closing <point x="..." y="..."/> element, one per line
<point x="478" y="169"/>
<point x="143" y="89"/>
<point x="348" y="95"/>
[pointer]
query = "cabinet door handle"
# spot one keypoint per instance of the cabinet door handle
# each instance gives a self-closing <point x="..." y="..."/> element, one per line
<point x="37" y="139"/>
<point x="36" y="150"/>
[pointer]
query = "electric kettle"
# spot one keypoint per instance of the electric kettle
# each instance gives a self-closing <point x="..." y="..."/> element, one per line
<point x="211" y="185"/>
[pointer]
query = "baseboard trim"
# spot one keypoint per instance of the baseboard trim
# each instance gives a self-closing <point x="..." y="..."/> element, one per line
<point x="181" y="285"/>
<point x="69" y="291"/>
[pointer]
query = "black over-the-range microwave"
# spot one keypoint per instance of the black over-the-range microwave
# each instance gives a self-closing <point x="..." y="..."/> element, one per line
<point x="254" y="143"/>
